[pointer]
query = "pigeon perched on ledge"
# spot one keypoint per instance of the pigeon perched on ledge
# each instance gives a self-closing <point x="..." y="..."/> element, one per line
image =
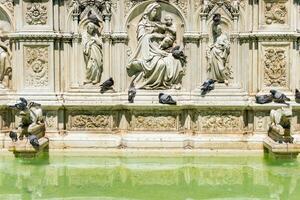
<point x="207" y="86"/>
<point x="34" y="141"/>
<point x="263" y="99"/>
<point x="106" y="85"/>
<point x="177" y="53"/>
<point x="166" y="99"/>
<point x="131" y="93"/>
<point x="297" y="96"/>
<point x="13" y="136"/>
<point x="279" y="97"/>
<point x="20" y="105"/>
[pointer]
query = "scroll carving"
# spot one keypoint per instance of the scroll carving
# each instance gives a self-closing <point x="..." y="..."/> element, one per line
<point x="275" y="67"/>
<point x="91" y="121"/>
<point x="36" y="71"/>
<point x="220" y="120"/>
<point x="144" y="122"/>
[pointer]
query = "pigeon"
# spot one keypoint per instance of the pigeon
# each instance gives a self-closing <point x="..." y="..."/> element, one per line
<point x="106" y="85"/>
<point x="34" y="141"/>
<point x="297" y="96"/>
<point x="279" y="97"/>
<point x="207" y="86"/>
<point x="166" y="99"/>
<point x="262" y="99"/>
<point x="20" y="105"/>
<point x="131" y="93"/>
<point x="13" y="136"/>
<point x="177" y="53"/>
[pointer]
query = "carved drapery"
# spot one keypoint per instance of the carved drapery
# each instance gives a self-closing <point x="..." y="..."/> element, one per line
<point x="275" y="67"/>
<point x="36" y="14"/>
<point x="36" y="70"/>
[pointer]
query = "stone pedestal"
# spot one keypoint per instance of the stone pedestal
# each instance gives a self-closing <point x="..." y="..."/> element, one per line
<point x="23" y="148"/>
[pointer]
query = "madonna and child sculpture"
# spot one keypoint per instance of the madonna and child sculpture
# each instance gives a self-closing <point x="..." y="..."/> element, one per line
<point x="152" y="65"/>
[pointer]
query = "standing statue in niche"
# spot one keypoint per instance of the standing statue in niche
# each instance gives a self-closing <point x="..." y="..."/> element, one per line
<point x="5" y="65"/>
<point x="93" y="57"/>
<point x="217" y="54"/>
<point x="153" y="66"/>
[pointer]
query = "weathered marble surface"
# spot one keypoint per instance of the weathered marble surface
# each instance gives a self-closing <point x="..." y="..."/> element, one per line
<point x="44" y="42"/>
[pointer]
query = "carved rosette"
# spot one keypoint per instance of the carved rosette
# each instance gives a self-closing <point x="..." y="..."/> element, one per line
<point x="275" y="67"/>
<point x="275" y="13"/>
<point x="36" y="14"/>
<point x="220" y="121"/>
<point x="37" y="67"/>
<point x="154" y="122"/>
<point x="91" y="121"/>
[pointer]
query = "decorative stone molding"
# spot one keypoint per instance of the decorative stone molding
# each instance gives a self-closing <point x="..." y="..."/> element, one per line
<point x="9" y="5"/>
<point x="36" y="14"/>
<point x="51" y="119"/>
<point x="182" y="4"/>
<point x="100" y="8"/>
<point x="36" y="66"/>
<point x="275" y="13"/>
<point x="119" y="37"/>
<point x="192" y="37"/>
<point x="275" y="67"/>
<point x="154" y="122"/>
<point x="94" y="121"/>
<point x="41" y="36"/>
<point x="231" y="6"/>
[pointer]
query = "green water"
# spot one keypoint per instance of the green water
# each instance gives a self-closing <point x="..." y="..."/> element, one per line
<point x="151" y="178"/>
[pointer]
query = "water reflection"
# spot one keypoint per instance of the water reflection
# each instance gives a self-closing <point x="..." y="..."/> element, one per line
<point x="189" y="178"/>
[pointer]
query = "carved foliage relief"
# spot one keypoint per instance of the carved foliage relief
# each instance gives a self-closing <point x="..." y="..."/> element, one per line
<point x="220" y="120"/>
<point x="275" y="67"/>
<point x="275" y="13"/>
<point x="36" y="14"/>
<point x="37" y="66"/>
<point x="91" y="121"/>
<point x="154" y="122"/>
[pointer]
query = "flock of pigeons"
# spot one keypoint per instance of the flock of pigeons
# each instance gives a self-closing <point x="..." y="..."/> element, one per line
<point x="206" y="87"/>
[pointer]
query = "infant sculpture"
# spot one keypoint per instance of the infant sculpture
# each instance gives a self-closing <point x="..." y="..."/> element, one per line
<point x="32" y="123"/>
<point x="279" y="129"/>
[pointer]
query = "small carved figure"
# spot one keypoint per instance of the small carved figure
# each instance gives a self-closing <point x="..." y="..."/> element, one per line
<point x="107" y="85"/>
<point x="235" y="6"/>
<point x="297" y="96"/>
<point x="263" y="99"/>
<point x="206" y="6"/>
<point x="279" y="97"/>
<point x="93" y="56"/>
<point x="170" y="33"/>
<point x="131" y="93"/>
<point x="166" y="99"/>
<point x="207" y="86"/>
<point x="279" y="129"/>
<point x="32" y="122"/>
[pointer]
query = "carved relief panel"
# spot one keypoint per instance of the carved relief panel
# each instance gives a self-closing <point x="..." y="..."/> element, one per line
<point x="151" y="121"/>
<point x="274" y="66"/>
<point x="37" y="67"/>
<point x="261" y="121"/>
<point x="91" y="120"/>
<point x="37" y="15"/>
<point x="274" y="14"/>
<point x="219" y="122"/>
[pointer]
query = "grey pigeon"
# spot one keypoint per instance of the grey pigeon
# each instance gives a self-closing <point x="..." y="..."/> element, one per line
<point x="34" y="141"/>
<point x="177" y="53"/>
<point x="106" y="85"/>
<point x="20" y="105"/>
<point x="279" y="97"/>
<point x="207" y="86"/>
<point x="262" y="99"/>
<point x="13" y="136"/>
<point x="166" y="99"/>
<point x="297" y="96"/>
<point x="131" y="93"/>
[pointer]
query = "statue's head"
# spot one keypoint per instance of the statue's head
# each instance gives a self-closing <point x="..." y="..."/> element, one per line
<point x="218" y="30"/>
<point x="91" y="28"/>
<point x="168" y="20"/>
<point x="153" y="11"/>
